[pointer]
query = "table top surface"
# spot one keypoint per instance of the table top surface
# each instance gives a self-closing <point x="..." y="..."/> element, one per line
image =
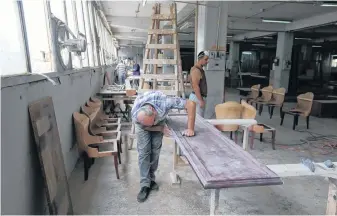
<point x="217" y="161"/>
<point x="326" y="101"/>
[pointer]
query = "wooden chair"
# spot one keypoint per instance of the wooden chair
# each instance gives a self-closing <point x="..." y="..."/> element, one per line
<point x="98" y="119"/>
<point x="267" y="93"/>
<point x="99" y="127"/>
<point x="89" y="145"/>
<point x="228" y="110"/>
<point x="276" y="100"/>
<point x="254" y="93"/>
<point x="303" y="108"/>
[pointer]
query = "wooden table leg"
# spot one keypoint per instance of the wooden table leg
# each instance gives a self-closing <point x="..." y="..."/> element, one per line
<point x="273" y="134"/>
<point x="245" y="138"/>
<point x="331" y="208"/>
<point x="214" y="201"/>
<point x="175" y="179"/>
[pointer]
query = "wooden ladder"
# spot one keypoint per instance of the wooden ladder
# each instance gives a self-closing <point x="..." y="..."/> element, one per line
<point x="151" y="73"/>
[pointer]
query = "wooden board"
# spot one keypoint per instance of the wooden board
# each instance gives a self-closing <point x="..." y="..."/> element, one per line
<point x="48" y="143"/>
<point x="217" y="161"/>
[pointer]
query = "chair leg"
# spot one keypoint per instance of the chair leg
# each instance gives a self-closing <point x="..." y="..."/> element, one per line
<point x="251" y="139"/>
<point x="119" y="152"/>
<point x="236" y="136"/>
<point x="116" y="166"/>
<point x="271" y="111"/>
<point x="260" y="108"/>
<point x="231" y="135"/>
<point x="307" y="122"/>
<point x="273" y="133"/>
<point x="86" y="166"/>
<point x="295" y="120"/>
<point x="261" y="136"/>
<point x="282" y="117"/>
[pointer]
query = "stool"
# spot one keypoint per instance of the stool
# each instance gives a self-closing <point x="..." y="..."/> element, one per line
<point x="266" y="129"/>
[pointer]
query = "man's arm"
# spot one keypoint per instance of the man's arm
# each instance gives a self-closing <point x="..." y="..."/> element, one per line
<point x="195" y="78"/>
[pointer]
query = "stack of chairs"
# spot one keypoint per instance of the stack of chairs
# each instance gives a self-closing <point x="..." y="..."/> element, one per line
<point x="94" y="131"/>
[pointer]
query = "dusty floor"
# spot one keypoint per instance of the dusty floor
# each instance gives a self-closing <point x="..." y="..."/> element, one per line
<point x="104" y="194"/>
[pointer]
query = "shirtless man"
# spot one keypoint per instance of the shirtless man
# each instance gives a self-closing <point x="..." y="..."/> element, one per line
<point x="199" y="84"/>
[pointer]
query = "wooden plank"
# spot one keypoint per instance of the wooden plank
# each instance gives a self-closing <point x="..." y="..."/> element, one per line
<point x="160" y="61"/>
<point x="162" y="31"/>
<point x="164" y="17"/>
<point x="160" y="46"/>
<point x="166" y="92"/>
<point x="217" y="161"/>
<point x="159" y="76"/>
<point x="47" y="139"/>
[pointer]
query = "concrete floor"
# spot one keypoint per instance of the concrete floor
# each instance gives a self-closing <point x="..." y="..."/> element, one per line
<point x="104" y="194"/>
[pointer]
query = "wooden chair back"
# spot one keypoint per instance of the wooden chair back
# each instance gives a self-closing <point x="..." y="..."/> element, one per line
<point x="278" y="96"/>
<point x="94" y="119"/>
<point x="83" y="137"/>
<point x="248" y="111"/>
<point x="304" y="103"/>
<point x="267" y="92"/>
<point x="228" y="110"/>
<point x="255" y="91"/>
<point x="95" y="100"/>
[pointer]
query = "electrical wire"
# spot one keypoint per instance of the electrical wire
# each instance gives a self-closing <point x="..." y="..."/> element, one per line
<point x="315" y="143"/>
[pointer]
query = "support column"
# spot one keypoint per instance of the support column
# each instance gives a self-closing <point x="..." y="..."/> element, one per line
<point x="212" y="35"/>
<point x="234" y="59"/>
<point x="283" y="53"/>
<point x="168" y="54"/>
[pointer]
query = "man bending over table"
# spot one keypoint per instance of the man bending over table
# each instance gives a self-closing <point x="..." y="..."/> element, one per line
<point x="148" y="114"/>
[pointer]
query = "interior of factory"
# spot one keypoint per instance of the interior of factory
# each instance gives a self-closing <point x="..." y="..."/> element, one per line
<point x="168" y="107"/>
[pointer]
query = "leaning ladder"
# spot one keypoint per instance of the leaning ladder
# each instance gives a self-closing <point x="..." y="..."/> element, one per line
<point x="151" y="66"/>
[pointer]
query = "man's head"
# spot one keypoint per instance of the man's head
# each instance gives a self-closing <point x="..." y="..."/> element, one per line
<point x="146" y="115"/>
<point x="203" y="58"/>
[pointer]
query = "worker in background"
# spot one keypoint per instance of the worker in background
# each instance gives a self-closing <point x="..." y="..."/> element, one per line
<point x="199" y="84"/>
<point x="121" y="72"/>
<point x="136" y="69"/>
<point x="148" y="115"/>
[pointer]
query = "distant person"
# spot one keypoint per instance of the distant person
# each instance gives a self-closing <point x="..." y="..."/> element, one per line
<point x="136" y="70"/>
<point x="121" y="72"/>
<point x="199" y="84"/>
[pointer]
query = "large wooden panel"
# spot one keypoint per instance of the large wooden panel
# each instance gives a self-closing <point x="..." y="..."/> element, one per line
<point x="48" y="143"/>
<point x="218" y="161"/>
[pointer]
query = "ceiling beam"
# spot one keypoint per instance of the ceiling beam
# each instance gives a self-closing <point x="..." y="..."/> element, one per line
<point x="311" y="22"/>
<point x="262" y="27"/>
<point x="251" y="35"/>
<point x="138" y="23"/>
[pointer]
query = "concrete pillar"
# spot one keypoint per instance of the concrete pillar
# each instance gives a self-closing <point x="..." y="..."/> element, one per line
<point x="283" y="53"/>
<point x="168" y="54"/>
<point x="234" y="58"/>
<point x="209" y="33"/>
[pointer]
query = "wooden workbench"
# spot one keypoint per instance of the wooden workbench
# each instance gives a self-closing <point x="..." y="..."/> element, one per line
<point x="219" y="163"/>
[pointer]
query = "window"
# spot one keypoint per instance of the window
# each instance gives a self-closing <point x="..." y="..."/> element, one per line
<point x="81" y="28"/>
<point x="92" y="18"/>
<point x="88" y="34"/>
<point x="37" y="35"/>
<point x="57" y="8"/>
<point x="334" y="61"/>
<point x="12" y="52"/>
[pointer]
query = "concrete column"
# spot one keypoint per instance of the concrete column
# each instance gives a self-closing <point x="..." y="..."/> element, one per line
<point x="210" y="36"/>
<point x="168" y="54"/>
<point x="283" y="52"/>
<point x="234" y="58"/>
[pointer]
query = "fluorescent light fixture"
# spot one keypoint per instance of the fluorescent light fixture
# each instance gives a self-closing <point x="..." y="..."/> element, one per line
<point x="229" y="36"/>
<point x="144" y="2"/>
<point x="316" y="46"/>
<point x="267" y="37"/>
<point x="303" y="38"/>
<point x="247" y="53"/>
<point x="186" y="25"/>
<point x="258" y="44"/>
<point x="184" y="33"/>
<point x="329" y="4"/>
<point x="275" y="21"/>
